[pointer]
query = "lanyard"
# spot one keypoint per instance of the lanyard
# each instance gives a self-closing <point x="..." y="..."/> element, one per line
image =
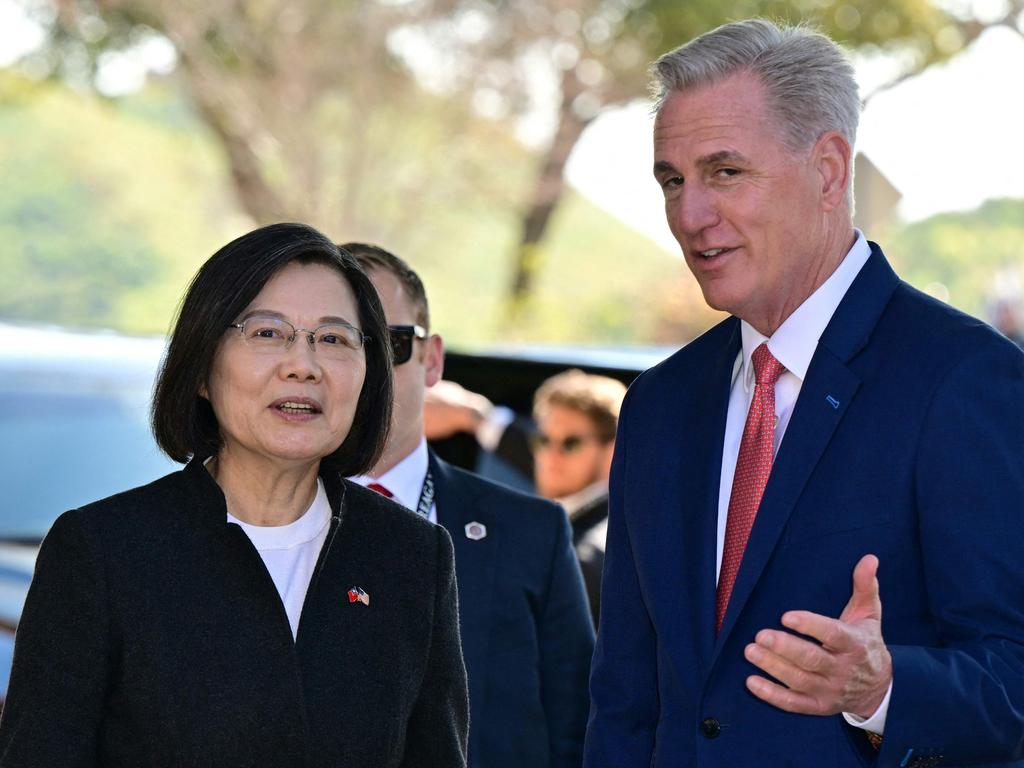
<point x="426" y="495"/>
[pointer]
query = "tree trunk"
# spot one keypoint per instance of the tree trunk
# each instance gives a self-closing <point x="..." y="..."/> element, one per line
<point x="254" y="193"/>
<point x="548" y="189"/>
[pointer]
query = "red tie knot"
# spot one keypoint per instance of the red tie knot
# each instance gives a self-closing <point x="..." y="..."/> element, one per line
<point x="766" y="368"/>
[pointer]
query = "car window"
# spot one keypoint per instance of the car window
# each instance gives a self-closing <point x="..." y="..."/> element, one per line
<point x="75" y="430"/>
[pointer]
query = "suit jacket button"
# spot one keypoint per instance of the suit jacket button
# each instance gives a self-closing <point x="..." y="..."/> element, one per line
<point x="710" y="727"/>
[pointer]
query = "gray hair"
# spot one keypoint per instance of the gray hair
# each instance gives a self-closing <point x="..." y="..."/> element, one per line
<point x="808" y="78"/>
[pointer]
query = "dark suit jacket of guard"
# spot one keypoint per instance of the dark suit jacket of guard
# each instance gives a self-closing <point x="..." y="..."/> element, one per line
<point x="906" y="441"/>
<point x="514" y="449"/>
<point x="527" y="637"/>
<point x="154" y="636"/>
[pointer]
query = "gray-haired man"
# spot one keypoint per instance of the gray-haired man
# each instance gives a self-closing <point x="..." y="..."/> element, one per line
<point x="840" y="444"/>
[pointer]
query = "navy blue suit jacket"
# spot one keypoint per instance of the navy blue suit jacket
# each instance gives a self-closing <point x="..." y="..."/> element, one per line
<point x="527" y="637"/>
<point x="907" y="441"/>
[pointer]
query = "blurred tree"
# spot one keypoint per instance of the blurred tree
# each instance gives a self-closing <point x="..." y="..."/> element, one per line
<point x="88" y="239"/>
<point x="602" y="49"/>
<point x="310" y="99"/>
<point x="107" y="207"/>
<point x="960" y="257"/>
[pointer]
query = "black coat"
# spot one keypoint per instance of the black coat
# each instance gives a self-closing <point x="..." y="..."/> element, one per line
<point x="154" y="636"/>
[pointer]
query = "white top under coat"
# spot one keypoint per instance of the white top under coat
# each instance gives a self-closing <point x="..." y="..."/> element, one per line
<point x="290" y="552"/>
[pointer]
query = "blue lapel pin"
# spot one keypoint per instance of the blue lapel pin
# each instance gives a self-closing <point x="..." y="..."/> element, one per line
<point x="832" y="401"/>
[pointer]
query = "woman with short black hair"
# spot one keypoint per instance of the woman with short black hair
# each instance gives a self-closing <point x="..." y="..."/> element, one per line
<point x="253" y="609"/>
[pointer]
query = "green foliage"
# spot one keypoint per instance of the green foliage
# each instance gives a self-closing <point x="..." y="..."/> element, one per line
<point x="104" y="212"/>
<point x="963" y="252"/>
<point x="917" y="26"/>
<point x="600" y="283"/>
<point x="108" y="207"/>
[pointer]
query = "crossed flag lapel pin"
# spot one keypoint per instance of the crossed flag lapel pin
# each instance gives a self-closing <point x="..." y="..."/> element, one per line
<point x="357" y="594"/>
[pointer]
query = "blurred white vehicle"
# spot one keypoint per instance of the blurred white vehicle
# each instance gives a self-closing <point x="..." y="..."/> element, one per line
<point x="75" y="429"/>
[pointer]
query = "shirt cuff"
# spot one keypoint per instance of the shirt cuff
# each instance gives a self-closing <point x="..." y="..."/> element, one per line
<point x="493" y="426"/>
<point x="875" y="723"/>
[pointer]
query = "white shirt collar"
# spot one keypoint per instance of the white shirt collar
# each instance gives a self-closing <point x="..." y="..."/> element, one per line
<point x="576" y="501"/>
<point x="794" y="342"/>
<point x="296" y="533"/>
<point x="405" y="479"/>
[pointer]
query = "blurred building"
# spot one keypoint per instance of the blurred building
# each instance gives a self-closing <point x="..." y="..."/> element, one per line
<point x="875" y="197"/>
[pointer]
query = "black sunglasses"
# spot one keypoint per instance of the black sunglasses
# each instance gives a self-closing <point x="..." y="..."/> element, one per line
<point x="401" y="341"/>
<point x="567" y="445"/>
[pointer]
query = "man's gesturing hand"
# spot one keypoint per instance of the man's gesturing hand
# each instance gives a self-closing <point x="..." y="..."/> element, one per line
<point x="849" y="671"/>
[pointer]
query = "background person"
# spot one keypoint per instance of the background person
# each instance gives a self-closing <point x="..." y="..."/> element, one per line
<point x="526" y="633"/>
<point x="566" y="448"/>
<point x="816" y="507"/>
<point x="252" y="609"/>
<point x="504" y="437"/>
<point x="1006" y="318"/>
<point x="576" y="415"/>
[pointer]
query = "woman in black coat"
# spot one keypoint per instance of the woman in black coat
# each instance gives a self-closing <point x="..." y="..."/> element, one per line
<point x="253" y="609"/>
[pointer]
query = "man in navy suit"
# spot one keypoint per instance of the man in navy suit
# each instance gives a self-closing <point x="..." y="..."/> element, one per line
<point x="814" y="552"/>
<point x="527" y="637"/>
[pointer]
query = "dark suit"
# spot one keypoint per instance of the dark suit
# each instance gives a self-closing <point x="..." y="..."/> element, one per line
<point x="154" y="636"/>
<point x="526" y="632"/>
<point x="907" y="441"/>
<point x="514" y="445"/>
<point x="588" y="523"/>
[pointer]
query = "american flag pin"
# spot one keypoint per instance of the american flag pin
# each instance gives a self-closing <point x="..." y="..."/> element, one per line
<point x="475" y="531"/>
<point x="356" y="593"/>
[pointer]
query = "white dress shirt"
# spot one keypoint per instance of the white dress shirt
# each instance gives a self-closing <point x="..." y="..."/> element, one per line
<point x="793" y="344"/>
<point x="574" y="502"/>
<point x="405" y="480"/>
<point x="290" y="552"/>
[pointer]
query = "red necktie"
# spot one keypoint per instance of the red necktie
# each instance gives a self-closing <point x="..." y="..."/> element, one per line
<point x="381" y="490"/>
<point x="753" y="465"/>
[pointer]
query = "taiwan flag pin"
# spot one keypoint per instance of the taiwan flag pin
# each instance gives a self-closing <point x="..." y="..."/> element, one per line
<point x="357" y="594"/>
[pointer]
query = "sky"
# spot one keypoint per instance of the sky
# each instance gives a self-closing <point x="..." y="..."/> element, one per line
<point x="947" y="139"/>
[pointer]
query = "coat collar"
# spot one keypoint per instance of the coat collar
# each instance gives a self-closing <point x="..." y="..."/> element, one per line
<point x="211" y="506"/>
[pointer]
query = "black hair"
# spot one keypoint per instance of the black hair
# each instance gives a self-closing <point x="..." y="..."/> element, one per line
<point x="184" y="423"/>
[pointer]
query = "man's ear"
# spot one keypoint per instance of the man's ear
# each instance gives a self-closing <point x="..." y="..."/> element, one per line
<point x="433" y="359"/>
<point x="834" y="163"/>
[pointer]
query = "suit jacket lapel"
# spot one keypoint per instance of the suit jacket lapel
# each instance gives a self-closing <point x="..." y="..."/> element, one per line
<point x="703" y="528"/>
<point x="825" y="396"/>
<point x="474" y="572"/>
